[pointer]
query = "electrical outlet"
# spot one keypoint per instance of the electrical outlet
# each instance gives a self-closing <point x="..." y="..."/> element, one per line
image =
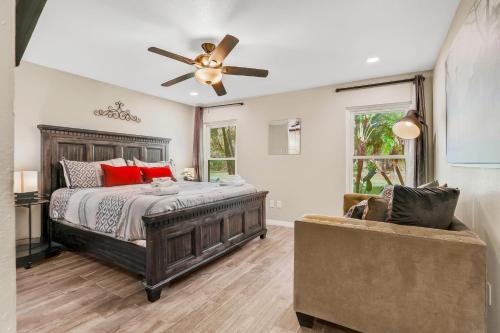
<point x="278" y="203"/>
<point x="490" y="301"/>
<point x="271" y="203"/>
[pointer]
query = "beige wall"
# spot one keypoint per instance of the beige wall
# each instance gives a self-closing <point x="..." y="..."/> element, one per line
<point x="48" y="96"/>
<point x="7" y="249"/>
<point x="315" y="180"/>
<point x="480" y="187"/>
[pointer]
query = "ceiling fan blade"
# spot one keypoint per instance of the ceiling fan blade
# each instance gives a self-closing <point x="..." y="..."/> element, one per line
<point x="178" y="79"/>
<point x="225" y="46"/>
<point x="233" y="70"/>
<point x="171" y="55"/>
<point x="219" y="88"/>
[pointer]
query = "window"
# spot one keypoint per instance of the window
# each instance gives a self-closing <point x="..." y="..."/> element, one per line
<point x="378" y="157"/>
<point x="220" y="152"/>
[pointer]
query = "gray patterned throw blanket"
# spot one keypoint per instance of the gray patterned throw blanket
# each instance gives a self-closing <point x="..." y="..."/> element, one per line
<point x="118" y="210"/>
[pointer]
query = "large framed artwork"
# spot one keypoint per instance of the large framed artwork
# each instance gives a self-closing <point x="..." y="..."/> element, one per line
<point x="473" y="88"/>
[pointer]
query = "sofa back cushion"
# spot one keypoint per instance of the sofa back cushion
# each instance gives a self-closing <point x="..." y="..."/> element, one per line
<point x="424" y="207"/>
<point x="376" y="209"/>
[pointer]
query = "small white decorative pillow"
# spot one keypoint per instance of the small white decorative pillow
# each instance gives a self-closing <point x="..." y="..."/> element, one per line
<point x="77" y="174"/>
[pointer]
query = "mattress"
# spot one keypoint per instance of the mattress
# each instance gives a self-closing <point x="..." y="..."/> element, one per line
<point x="117" y="211"/>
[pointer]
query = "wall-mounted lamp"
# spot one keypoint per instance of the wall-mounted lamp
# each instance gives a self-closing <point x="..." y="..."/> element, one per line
<point x="410" y="126"/>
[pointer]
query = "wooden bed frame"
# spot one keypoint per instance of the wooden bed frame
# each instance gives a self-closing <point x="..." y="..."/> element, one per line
<point x="177" y="242"/>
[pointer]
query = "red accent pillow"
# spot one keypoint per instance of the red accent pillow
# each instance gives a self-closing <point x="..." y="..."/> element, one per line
<point x="156" y="172"/>
<point x="124" y="175"/>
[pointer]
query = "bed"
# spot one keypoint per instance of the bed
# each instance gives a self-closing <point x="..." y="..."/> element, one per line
<point x="174" y="236"/>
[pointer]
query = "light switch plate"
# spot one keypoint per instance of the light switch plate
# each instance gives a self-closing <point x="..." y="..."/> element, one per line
<point x="271" y="203"/>
<point x="278" y="203"/>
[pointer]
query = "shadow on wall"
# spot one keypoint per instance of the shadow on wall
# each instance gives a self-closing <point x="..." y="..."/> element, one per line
<point x="483" y="208"/>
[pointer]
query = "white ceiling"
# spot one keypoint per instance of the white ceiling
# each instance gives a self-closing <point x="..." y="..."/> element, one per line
<point x="302" y="43"/>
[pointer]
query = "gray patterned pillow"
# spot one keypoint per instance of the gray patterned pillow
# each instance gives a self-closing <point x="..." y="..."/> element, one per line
<point x="80" y="174"/>
<point x="387" y="195"/>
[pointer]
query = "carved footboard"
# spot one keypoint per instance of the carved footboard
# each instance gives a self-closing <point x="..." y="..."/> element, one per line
<point x="182" y="241"/>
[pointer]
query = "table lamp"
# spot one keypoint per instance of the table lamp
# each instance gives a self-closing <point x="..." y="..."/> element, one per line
<point x="25" y="186"/>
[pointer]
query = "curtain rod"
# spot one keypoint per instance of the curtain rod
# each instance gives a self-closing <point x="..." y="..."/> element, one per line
<point x="376" y="84"/>
<point x="222" y="105"/>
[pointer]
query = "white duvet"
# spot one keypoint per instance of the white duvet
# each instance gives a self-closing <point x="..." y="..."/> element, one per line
<point x="118" y="210"/>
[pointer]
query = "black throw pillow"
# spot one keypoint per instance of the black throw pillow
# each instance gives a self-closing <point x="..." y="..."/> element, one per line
<point x="424" y="207"/>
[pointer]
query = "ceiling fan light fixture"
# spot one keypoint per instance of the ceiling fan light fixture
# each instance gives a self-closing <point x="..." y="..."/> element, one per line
<point x="208" y="75"/>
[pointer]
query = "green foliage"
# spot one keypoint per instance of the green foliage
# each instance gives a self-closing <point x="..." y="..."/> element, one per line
<point x="222" y="142"/>
<point x="373" y="136"/>
<point x="222" y="145"/>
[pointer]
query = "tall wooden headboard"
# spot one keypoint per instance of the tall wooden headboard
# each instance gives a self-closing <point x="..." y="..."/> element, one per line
<point x="88" y="145"/>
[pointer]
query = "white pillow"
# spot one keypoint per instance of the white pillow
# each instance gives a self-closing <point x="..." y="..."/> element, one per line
<point x="143" y="164"/>
<point x="86" y="174"/>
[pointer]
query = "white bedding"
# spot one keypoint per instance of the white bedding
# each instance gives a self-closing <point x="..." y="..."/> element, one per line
<point x="117" y="211"/>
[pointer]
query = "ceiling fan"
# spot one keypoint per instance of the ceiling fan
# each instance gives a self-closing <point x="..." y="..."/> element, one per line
<point x="209" y="65"/>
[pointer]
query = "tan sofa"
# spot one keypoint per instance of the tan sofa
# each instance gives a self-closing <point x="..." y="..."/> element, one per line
<point x="382" y="278"/>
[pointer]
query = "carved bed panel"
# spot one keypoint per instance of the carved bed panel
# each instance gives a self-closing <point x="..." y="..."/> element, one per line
<point x="88" y="145"/>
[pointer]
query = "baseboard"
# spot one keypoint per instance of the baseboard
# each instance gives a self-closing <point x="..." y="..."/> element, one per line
<point x="287" y="224"/>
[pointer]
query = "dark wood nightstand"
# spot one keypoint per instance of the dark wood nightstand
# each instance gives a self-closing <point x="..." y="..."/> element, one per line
<point x="26" y="254"/>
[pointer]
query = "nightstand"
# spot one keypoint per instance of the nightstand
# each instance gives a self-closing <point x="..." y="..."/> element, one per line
<point x="26" y="254"/>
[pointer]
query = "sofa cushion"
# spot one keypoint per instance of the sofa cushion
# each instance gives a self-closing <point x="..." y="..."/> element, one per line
<point x="376" y="209"/>
<point x="423" y="207"/>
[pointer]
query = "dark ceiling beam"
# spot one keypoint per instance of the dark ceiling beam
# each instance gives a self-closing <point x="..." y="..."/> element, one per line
<point x="27" y="14"/>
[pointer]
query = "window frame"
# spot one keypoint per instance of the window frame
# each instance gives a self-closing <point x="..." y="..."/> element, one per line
<point x="207" y="127"/>
<point x="350" y="125"/>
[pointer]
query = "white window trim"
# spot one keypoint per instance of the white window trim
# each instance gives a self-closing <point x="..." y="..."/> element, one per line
<point x="206" y="145"/>
<point x="351" y="112"/>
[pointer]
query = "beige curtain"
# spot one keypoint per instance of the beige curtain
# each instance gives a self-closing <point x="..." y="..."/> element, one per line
<point x="197" y="142"/>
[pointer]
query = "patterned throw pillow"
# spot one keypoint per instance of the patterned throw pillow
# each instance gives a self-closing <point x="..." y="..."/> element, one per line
<point x="80" y="174"/>
<point x="387" y="195"/>
<point x="96" y="165"/>
<point x="356" y="211"/>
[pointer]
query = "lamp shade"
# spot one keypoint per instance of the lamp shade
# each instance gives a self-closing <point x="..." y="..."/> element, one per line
<point x="25" y="181"/>
<point x="208" y="75"/>
<point x="409" y="127"/>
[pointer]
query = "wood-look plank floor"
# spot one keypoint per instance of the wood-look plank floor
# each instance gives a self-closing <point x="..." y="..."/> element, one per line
<point x="249" y="290"/>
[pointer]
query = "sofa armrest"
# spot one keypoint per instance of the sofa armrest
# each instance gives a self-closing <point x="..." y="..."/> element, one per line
<point x="351" y="199"/>
<point x="381" y="277"/>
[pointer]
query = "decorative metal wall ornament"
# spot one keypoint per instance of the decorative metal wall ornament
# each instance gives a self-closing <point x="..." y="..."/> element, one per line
<point x="117" y="113"/>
